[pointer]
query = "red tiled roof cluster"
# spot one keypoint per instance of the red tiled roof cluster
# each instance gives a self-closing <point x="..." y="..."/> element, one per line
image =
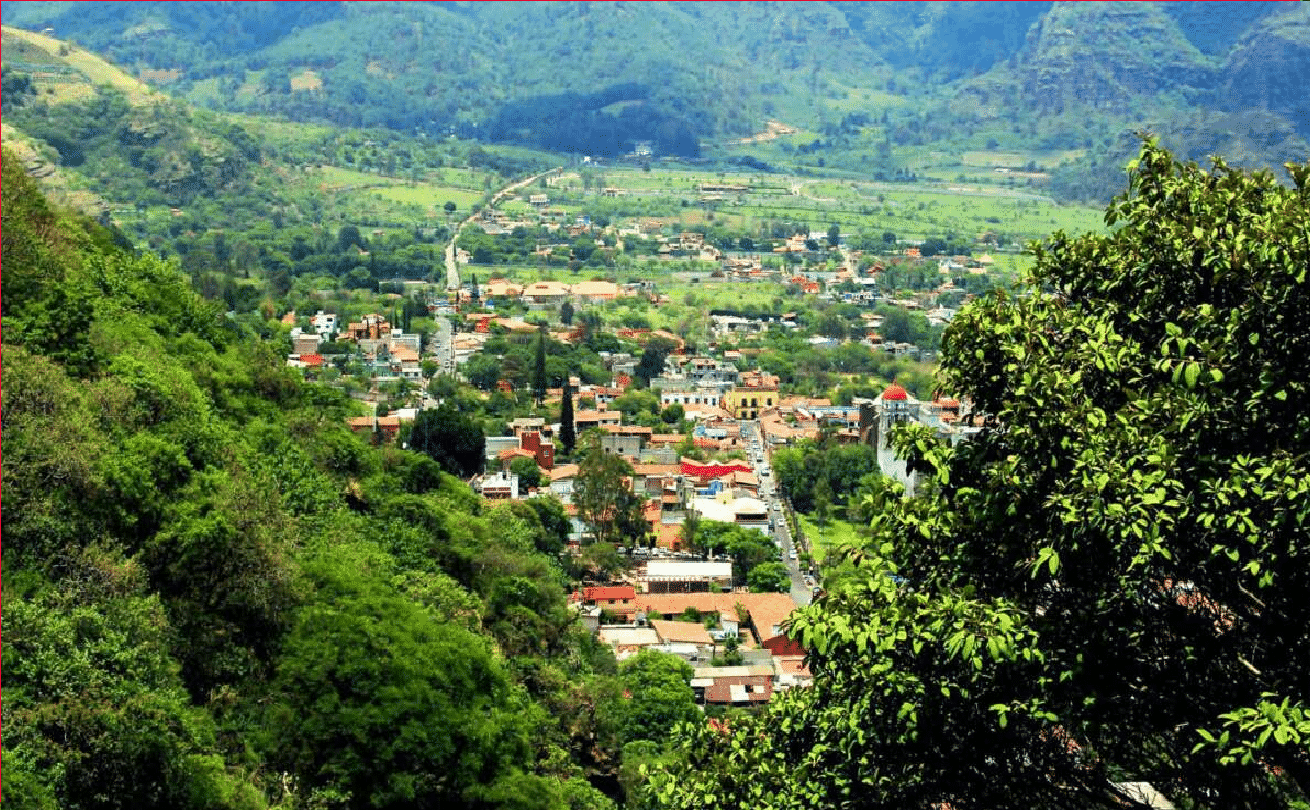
<point x="712" y="470"/>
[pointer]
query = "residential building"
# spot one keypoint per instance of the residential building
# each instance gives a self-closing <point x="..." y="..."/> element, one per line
<point x="687" y="576"/>
<point x="620" y="600"/>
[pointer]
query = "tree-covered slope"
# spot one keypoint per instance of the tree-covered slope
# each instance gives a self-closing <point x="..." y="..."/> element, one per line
<point x="218" y="596"/>
<point x="599" y="77"/>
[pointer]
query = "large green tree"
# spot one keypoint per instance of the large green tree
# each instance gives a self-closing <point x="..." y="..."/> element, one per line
<point x="1107" y="584"/>
<point x="378" y="704"/>
<point x="452" y="438"/>
<point x="604" y="497"/>
<point x="661" y="695"/>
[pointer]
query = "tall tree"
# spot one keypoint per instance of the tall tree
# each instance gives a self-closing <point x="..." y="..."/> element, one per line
<point x="1109" y="581"/>
<point x="539" y="379"/>
<point x="691" y="529"/>
<point x="651" y="364"/>
<point x="443" y="729"/>
<point x="453" y="439"/>
<point x="604" y="497"/>
<point x="566" y="313"/>
<point x="568" y="436"/>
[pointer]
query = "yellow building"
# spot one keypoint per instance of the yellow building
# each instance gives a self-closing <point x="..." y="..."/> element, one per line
<point x="746" y="403"/>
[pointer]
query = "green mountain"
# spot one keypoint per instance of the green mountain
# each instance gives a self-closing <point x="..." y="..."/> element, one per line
<point x="692" y="78"/>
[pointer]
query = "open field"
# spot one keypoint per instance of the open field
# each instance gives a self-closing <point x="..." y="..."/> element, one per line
<point x="430" y="197"/>
<point x="824" y="538"/>
<point x="912" y="211"/>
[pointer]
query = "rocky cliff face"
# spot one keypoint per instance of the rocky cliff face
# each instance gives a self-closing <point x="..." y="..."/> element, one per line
<point x="1268" y="66"/>
<point x="1103" y="54"/>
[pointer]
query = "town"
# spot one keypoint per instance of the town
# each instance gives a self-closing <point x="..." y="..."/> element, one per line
<point x="696" y="427"/>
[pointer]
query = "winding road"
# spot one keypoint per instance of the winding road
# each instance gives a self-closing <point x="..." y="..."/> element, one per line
<point x="452" y="266"/>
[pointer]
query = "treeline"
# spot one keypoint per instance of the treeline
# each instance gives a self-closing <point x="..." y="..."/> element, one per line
<point x="217" y="596"/>
<point x="572" y="122"/>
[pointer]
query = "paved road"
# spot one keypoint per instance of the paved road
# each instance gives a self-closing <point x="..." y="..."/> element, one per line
<point x="441" y="346"/>
<point x="452" y="266"/>
<point x="801" y="592"/>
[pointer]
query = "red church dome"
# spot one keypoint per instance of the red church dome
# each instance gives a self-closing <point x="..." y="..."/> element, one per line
<point x="894" y="392"/>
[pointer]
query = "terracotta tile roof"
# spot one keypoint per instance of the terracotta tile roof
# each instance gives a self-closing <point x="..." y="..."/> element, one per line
<point x="546" y="288"/>
<point x="595" y="289"/>
<point x="791" y="665"/>
<point x="627" y="430"/>
<point x="740" y="689"/>
<point x="666" y="438"/>
<point x="666" y="534"/>
<point x="625" y="592"/>
<point x="687" y="632"/>
<point x="768" y="611"/>
<point x="652" y="470"/>
<point x="674" y="603"/>
<point x="564" y="471"/>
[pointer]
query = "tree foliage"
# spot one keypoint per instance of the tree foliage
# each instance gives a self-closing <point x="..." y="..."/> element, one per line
<point x="1108" y="583"/>
<point x="451" y="438"/>
<point x="604" y="497"/>
<point x="568" y="428"/>
<point x="218" y="596"/>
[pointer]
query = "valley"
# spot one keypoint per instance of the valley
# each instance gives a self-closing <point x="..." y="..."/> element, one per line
<point x="592" y="406"/>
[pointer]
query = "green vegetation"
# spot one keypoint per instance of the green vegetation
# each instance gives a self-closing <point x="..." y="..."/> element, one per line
<point x="605" y="500"/>
<point x="833" y="534"/>
<point x="218" y="596"/>
<point x="834" y="89"/>
<point x="1103" y="587"/>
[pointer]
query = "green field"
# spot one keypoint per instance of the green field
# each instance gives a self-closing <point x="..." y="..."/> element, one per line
<point x="823" y="538"/>
<point x="969" y="206"/>
<point x="431" y="197"/>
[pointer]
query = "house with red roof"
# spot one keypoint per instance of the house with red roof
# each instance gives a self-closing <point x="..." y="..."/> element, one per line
<point x="617" y="599"/>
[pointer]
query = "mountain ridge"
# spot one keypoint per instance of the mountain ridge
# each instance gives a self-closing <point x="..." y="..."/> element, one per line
<point x="1059" y="75"/>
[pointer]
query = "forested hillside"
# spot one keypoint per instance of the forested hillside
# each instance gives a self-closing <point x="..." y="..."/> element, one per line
<point x="217" y="596"/>
<point x="687" y="77"/>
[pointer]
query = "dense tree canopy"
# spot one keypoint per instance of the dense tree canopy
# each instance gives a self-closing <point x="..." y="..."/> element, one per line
<point x="1108" y="583"/>
<point x="604" y="497"/>
<point x="453" y="439"/>
<point x="218" y="596"/>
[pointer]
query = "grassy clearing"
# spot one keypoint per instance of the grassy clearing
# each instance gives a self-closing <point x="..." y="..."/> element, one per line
<point x="430" y="197"/>
<point x="90" y="70"/>
<point x="824" y="538"/>
<point x="964" y="201"/>
<point x="861" y="100"/>
<point x="1015" y="160"/>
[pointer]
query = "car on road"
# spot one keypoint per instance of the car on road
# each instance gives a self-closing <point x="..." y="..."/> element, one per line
<point x="792" y="554"/>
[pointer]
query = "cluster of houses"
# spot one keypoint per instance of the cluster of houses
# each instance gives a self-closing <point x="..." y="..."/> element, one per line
<point x="698" y="626"/>
<point x="388" y="353"/>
